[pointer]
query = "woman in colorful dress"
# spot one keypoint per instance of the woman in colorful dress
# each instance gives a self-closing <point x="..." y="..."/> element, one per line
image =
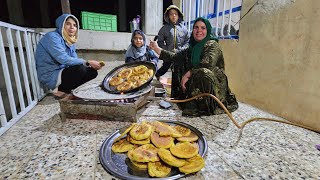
<point x="201" y="71"/>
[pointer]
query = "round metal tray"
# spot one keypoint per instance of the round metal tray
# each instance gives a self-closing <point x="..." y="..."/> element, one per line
<point x="111" y="89"/>
<point x="93" y="92"/>
<point x="119" y="165"/>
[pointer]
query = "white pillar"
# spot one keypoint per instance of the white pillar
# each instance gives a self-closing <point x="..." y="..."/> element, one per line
<point x="152" y="19"/>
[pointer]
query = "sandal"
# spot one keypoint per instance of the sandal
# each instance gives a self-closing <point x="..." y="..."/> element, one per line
<point x="59" y="95"/>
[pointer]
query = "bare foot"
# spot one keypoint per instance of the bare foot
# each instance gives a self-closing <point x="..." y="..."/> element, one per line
<point x="60" y="94"/>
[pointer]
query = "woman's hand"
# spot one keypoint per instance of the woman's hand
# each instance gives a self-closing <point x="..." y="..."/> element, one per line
<point x="154" y="46"/>
<point x="184" y="80"/>
<point x="96" y="65"/>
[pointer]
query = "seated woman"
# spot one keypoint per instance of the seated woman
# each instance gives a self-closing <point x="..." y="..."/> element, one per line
<point x="138" y="50"/>
<point x="57" y="62"/>
<point x="201" y="70"/>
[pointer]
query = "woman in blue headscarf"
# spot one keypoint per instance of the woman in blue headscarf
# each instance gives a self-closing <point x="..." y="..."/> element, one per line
<point x="201" y="70"/>
<point x="138" y="50"/>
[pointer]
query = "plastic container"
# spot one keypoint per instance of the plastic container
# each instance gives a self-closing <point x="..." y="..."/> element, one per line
<point x="166" y="82"/>
<point x="134" y="25"/>
<point x="159" y="92"/>
<point x="99" y="22"/>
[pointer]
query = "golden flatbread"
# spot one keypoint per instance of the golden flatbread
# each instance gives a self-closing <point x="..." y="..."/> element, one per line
<point x="150" y="72"/>
<point x="165" y="130"/>
<point x="140" y="82"/>
<point x="122" y="146"/>
<point x="191" y="138"/>
<point x="125" y="73"/>
<point x="193" y="164"/>
<point x="182" y="130"/>
<point x="134" y="78"/>
<point x="139" y="142"/>
<point x="140" y="165"/>
<point x="115" y="81"/>
<point x="140" y="69"/>
<point x="144" y="76"/>
<point x="158" y="169"/>
<point x="125" y="86"/>
<point x="102" y="63"/>
<point x="161" y="141"/>
<point x="166" y="156"/>
<point x="125" y="132"/>
<point x="145" y="153"/>
<point x="141" y="131"/>
<point x="184" y="150"/>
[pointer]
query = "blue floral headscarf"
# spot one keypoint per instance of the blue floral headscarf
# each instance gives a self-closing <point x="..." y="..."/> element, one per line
<point x="134" y="51"/>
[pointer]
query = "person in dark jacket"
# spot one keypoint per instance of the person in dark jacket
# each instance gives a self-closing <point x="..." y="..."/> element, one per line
<point x="201" y="71"/>
<point x="173" y="36"/>
<point x="57" y="62"/>
<point x="139" y="51"/>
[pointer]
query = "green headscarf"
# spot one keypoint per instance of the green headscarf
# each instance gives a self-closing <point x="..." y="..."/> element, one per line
<point x="196" y="47"/>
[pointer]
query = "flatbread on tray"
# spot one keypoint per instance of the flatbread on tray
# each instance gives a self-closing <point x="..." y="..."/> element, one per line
<point x="155" y="147"/>
<point x="131" y="77"/>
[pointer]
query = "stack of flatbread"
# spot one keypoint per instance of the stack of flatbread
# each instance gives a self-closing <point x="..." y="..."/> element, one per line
<point x="158" y="146"/>
<point x="131" y="77"/>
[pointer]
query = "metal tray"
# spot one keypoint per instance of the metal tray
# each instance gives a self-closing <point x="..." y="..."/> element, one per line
<point x="93" y="92"/>
<point x="119" y="165"/>
<point x="110" y="89"/>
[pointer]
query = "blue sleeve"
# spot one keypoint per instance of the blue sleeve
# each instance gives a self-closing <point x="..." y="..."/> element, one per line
<point x="129" y="60"/>
<point x="56" y="47"/>
<point x="153" y="58"/>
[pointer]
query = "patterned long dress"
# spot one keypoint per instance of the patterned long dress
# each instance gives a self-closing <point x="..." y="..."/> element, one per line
<point x="208" y="77"/>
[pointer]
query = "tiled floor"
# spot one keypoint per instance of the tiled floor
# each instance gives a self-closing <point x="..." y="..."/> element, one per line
<point x="42" y="146"/>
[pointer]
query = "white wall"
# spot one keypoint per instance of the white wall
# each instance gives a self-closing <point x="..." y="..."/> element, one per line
<point x="100" y="40"/>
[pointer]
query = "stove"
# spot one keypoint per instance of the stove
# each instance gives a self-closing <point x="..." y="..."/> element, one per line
<point x="90" y="101"/>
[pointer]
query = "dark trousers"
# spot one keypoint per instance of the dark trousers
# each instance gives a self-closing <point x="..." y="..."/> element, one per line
<point x="74" y="76"/>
